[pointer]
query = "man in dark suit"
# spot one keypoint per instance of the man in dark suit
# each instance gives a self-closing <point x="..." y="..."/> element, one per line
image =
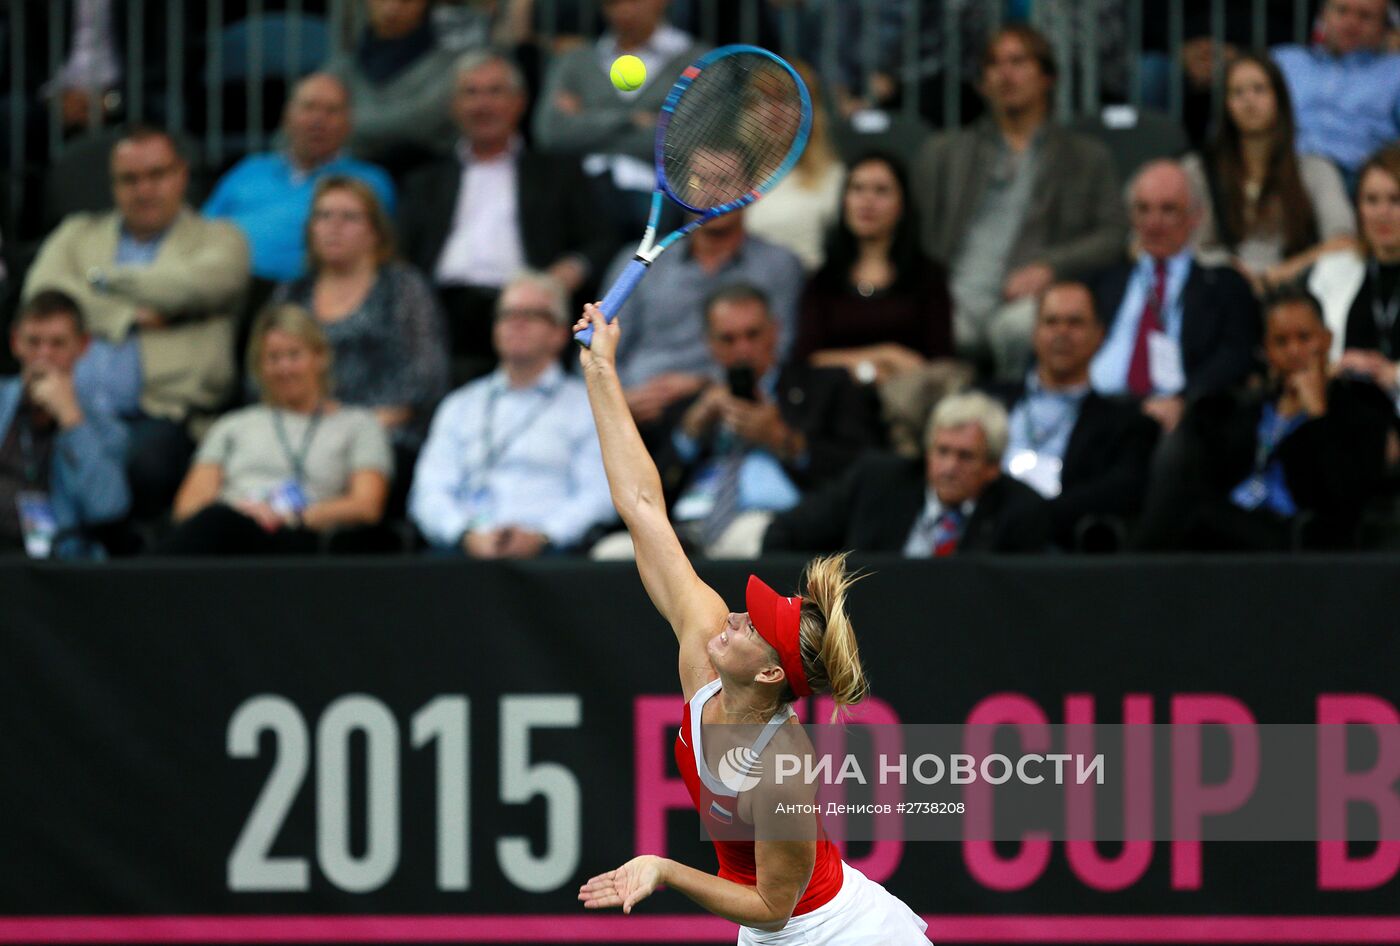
<point x="1293" y="459"/>
<point x="750" y="446"/>
<point x="1176" y="329"/>
<point x="473" y="220"/>
<point x="955" y="500"/>
<point x="1087" y="454"/>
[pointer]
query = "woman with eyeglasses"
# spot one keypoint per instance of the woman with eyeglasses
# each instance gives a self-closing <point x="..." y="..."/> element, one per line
<point x="379" y="315"/>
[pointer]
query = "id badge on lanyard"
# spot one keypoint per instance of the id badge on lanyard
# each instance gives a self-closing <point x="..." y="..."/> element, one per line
<point x="37" y="523"/>
<point x="289" y="496"/>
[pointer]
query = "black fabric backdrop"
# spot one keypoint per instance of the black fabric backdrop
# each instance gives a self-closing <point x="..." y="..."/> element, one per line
<point x="117" y="686"/>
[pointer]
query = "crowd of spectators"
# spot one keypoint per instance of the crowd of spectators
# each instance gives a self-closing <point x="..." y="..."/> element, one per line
<point x="990" y="342"/>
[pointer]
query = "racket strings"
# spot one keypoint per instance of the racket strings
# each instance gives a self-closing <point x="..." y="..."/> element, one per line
<point x="732" y="130"/>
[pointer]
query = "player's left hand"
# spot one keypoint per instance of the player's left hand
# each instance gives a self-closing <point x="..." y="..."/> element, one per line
<point x="625" y="887"/>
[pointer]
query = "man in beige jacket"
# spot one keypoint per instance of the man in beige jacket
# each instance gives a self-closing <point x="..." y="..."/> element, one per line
<point x="161" y="288"/>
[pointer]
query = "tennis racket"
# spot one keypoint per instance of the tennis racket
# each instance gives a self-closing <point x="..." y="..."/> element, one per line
<point x="733" y="125"/>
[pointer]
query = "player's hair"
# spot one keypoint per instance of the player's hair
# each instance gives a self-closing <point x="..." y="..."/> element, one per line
<point x="830" y="656"/>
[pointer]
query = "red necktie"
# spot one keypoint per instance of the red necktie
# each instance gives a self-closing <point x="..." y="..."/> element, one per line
<point x="1139" y="372"/>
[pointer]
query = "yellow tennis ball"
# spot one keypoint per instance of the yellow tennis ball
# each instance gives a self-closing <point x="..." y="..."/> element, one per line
<point x="628" y="73"/>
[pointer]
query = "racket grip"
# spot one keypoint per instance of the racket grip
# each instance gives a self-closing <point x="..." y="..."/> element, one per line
<point x="617" y="295"/>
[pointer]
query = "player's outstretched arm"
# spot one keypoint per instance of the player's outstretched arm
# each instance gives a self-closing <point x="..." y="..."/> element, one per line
<point x="692" y="608"/>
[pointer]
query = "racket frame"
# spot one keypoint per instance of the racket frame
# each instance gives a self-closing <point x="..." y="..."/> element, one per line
<point x="649" y="248"/>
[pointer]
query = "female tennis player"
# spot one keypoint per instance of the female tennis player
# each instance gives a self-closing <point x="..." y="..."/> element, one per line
<point x="784" y="882"/>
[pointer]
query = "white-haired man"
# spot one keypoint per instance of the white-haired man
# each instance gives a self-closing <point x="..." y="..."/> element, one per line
<point x="953" y="500"/>
<point x="1176" y="329"/>
<point x="512" y="467"/>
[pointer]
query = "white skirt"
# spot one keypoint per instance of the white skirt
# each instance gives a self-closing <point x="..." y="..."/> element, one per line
<point x="862" y="913"/>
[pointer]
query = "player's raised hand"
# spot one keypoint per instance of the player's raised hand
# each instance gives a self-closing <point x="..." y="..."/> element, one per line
<point x="603" y="347"/>
<point x="625" y="887"/>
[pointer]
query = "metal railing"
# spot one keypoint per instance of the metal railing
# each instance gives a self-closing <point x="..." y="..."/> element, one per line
<point x="925" y="48"/>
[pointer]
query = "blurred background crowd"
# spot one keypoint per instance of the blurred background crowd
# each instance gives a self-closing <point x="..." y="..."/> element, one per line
<point x="1064" y="276"/>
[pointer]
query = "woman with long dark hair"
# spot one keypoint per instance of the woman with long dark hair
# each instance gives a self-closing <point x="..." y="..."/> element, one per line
<point x="1271" y="210"/>
<point x="877" y="307"/>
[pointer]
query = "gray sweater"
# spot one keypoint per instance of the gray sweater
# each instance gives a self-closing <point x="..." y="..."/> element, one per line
<point x="410" y="109"/>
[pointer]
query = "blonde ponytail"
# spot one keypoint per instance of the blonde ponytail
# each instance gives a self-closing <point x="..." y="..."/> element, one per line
<point x="829" y="652"/>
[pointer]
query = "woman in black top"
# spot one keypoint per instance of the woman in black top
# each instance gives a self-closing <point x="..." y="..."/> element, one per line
<point x="1360" y="292"/>
<point x="877" y="307"/>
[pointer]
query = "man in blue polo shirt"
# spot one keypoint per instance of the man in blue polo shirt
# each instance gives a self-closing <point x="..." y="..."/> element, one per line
<point x="1345" y="89"/>
<point x="268" y="196"/>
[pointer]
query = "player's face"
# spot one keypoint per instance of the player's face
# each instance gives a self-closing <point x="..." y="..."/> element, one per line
<point x="341" y="231"/>
<point x="1250" y="99"/>
<point x="486" y="104"/>
<point x="148" y="184"/>
<point x="317" y="120"/>
<point x="1295" y="339"/>
<point x="958" y="467"/>
<point x="1066" y="332"/>
<point x="290" y="369"/>
<point x="1378" y="202"/>
<point x="874" y="202"/>
<point x="738" y="649"/>
<point x="742" y="333"/>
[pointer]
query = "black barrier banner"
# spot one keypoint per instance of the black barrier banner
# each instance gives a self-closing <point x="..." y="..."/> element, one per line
<point x="412" y="751"/>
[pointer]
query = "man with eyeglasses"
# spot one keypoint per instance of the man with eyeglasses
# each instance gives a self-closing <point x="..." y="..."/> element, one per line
<point x="159" y="286"/>
<point x="1176" y="329"/>
<point x="512" y="466"/>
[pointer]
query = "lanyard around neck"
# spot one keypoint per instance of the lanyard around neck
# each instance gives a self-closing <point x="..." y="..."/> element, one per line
<point x="297" y="458"/>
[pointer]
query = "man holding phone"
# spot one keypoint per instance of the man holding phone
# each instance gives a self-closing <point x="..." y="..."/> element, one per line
<point x="61" y="458"/>
<point x="739" y="451"/>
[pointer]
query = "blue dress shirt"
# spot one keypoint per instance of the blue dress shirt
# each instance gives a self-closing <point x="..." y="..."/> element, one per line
<point x="269" y="199"/>
<point x="112" y="370"/>
<point x="1345" y="107"/>
<point x="1042" y="420"/>
<point x="498" y="456"/>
